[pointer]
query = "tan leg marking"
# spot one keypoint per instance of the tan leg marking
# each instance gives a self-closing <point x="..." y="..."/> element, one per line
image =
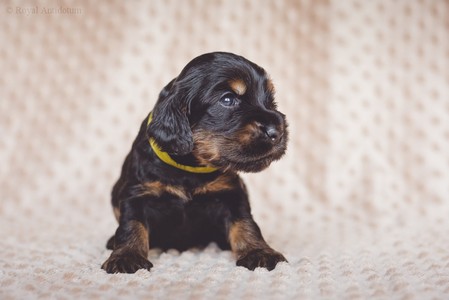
<point x="243" y="238"/>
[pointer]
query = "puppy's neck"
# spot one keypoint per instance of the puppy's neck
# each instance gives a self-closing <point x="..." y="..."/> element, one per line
<point x="169" y="160"/>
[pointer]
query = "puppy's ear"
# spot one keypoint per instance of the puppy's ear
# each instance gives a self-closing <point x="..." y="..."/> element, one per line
<point x="170" y="126"/>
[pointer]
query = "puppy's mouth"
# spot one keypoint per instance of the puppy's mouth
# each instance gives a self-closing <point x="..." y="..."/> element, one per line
<point x="249" y="163"/>
<point x="250" y="166"/>
<point x="229" y="154"/>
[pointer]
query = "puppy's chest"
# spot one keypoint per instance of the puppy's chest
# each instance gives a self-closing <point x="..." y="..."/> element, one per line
<point x="188" y="193"/>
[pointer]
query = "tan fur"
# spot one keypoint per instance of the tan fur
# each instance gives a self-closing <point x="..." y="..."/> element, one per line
<point x="247" y="133"/>
<point x="137" y="244"/>
<point x="140" y="238"/>
<point x="222" y="183"/>
<point x="270" y="86"/>
<point x="243" y="238"/>
<point x="117" y="213"/>
<point x="206" y="147"/>
<point x="238" y="86"/>
<point x="156" y="188"/>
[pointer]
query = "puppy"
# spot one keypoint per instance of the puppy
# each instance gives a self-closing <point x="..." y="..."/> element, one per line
<point x="179" y="186"/>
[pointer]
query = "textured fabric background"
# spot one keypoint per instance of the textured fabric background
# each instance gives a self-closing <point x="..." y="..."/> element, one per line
<point x="359" y="205"/>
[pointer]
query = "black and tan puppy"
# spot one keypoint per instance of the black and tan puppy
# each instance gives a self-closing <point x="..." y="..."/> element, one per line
<point x="179" y="186"/>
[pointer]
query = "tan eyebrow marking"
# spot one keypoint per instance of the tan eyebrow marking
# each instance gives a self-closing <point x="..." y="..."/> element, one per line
<point x="238" y="86"/>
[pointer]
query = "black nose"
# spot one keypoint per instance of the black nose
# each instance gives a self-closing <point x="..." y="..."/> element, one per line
<point x="272" y="133"/>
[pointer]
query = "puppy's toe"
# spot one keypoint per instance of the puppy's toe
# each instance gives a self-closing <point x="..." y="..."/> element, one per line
<point x="264" y="258"/>
<point x="126" y="263"/>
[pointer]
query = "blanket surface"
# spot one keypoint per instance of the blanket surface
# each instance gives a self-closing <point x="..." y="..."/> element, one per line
<point x="359" y="205"/>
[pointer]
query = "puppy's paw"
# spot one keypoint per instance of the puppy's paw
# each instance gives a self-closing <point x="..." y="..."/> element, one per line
<point x="264" y="258"/>
<point x="127" y="262"/>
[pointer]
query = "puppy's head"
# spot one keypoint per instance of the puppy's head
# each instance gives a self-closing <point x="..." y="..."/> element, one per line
<point x="221" y="109"/>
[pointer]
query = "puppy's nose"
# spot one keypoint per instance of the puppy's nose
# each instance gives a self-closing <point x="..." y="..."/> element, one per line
<point x="271" y="132"/>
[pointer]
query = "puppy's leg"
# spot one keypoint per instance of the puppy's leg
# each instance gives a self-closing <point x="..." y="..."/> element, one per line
<point x="131" y="243"/>
<point x="249" y="246"/>
<point x="110" y="243"/>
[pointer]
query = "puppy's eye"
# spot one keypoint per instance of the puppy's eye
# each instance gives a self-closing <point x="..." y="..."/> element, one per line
<point x="229" y="99"/>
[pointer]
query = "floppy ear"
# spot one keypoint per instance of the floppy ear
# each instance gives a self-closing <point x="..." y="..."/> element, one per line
<point x="170" y="126"/>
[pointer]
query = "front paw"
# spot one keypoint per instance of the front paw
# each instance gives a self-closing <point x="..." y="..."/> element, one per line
<point x="126" y="263"/>
<point x="264" y="258"/>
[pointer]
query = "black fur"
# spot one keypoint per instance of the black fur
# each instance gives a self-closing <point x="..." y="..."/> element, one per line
<point x="161" y="206"/>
